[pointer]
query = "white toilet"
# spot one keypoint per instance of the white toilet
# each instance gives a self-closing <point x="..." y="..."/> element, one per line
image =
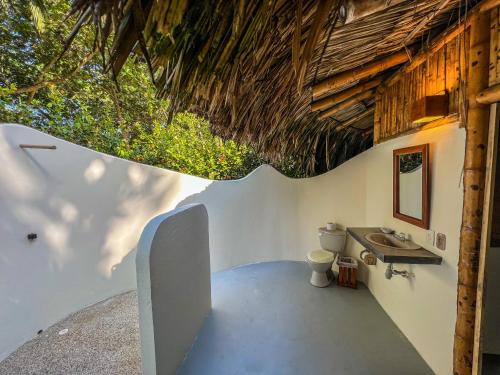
<point x="332" y="243"/>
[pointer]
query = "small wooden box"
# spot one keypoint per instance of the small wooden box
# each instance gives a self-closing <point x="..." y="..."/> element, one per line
<point x="429" y="108"/>
<point x="348" y="272"/>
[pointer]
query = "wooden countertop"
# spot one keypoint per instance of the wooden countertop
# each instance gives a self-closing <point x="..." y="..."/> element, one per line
<point x="389" y="255"/>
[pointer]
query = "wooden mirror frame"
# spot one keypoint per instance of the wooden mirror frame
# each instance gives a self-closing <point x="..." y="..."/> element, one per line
<point x="424" y="222"/>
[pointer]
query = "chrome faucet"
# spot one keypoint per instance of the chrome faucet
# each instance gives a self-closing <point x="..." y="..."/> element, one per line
<point x="402" y="236"/>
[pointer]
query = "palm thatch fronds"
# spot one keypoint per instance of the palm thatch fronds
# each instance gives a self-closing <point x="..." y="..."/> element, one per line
<point x="249" y="65"/>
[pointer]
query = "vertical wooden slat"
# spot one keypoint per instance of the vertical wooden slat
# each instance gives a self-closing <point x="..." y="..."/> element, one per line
<point x="376" y="116"/>
<point x="497" y="51"/>
<point x="452" y="75"/>
<point x="441" y="71"/>
<point x="493" y="68"/>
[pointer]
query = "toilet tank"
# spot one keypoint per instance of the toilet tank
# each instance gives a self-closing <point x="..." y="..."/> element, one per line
<point x="332" y="240"/>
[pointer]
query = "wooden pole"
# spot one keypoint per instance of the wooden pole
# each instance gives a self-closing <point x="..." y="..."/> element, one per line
<point x="474" y="180"/>
<point x="344" y="95"/>
<point x="351" y="76"/>
<point x="490" y="95"/>
<point x="346" y="104"/>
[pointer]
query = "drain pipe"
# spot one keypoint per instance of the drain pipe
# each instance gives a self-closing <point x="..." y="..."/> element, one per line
<point x="390" y="271"/>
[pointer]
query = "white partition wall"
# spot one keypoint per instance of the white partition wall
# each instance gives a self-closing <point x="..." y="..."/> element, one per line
<point x="173" y="286"/>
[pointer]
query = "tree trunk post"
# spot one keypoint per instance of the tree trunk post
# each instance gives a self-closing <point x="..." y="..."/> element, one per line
<point x="477" y="121"/>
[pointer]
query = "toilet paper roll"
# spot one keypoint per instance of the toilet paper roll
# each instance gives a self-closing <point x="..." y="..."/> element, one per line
<point x="331" y="226"/>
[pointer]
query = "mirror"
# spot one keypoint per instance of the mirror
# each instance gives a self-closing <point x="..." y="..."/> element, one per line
<point x="411" y="185"/>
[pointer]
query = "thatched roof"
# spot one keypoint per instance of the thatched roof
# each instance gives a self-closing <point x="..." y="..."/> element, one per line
<point x="250" y="66"/>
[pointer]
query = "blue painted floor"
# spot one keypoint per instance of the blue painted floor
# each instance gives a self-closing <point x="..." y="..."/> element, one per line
<point x="268" y="319"/>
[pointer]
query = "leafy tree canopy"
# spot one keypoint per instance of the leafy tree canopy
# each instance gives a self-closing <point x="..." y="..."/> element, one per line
<point x="72" y="98"/>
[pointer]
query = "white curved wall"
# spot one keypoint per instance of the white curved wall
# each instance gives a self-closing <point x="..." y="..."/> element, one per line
<point x="89" y="210"/>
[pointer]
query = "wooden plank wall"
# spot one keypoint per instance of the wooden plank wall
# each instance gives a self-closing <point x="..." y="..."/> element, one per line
<point x="440" y="72"/>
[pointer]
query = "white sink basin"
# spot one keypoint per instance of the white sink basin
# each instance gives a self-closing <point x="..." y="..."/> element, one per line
<point x="388" y="240"/>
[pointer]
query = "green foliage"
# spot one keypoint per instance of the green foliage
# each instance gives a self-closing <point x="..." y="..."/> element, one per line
<point x="86" y="107"/>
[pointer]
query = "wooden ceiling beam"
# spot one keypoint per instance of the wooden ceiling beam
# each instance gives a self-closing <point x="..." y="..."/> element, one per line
<point x="344" y="95"/>
<point x="346" y="104"/>
<point x="355" y="119"/>
<point x="488" y="5"/>
<point x="490" y="95"/>
<point x="345" y="78"/>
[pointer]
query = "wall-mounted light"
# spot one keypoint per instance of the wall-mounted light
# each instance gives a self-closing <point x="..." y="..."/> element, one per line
<point x="429" y="108"/>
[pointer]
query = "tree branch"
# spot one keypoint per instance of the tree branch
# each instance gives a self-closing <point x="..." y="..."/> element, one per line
<point x="33" y="89"/>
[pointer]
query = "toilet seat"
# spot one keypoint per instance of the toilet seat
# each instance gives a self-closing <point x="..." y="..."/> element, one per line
<point x="320" y="256"/>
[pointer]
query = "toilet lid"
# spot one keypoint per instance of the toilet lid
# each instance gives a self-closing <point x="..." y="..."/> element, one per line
<point x="320" y="256"/>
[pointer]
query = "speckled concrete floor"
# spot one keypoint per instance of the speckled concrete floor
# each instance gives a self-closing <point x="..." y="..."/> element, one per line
<point x="266" y="319"/>
<point x="101" y="339"/>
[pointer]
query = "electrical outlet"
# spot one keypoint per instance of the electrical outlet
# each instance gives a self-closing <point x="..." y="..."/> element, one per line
<point x="430" y="237"/>
<point x="441" y="241"/>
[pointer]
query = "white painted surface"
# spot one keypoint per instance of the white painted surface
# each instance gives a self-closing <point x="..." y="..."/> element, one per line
<point x="173" y="286"/>
<point x="359" y="193"/>
<point x="89" y="210"/>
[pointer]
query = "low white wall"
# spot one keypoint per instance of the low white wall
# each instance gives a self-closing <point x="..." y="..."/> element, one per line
<point x="89" y="210"/>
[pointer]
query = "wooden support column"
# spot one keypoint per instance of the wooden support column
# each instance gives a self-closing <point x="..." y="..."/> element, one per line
<point x="474" y="181"/>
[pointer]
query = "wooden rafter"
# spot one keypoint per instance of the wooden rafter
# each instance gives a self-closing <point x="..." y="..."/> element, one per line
<point x="488" y="5"/>
<point x="351" y="76"/>
<point x="346" y="104"/>
<point x="355" y="119"/>
<point x="344" y="95"/>
<point x="490" y="95"/>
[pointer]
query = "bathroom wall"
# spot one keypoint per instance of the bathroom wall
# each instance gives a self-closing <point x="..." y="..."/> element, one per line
<point x="89" y="209"/>
<point x="359" y="193"/>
